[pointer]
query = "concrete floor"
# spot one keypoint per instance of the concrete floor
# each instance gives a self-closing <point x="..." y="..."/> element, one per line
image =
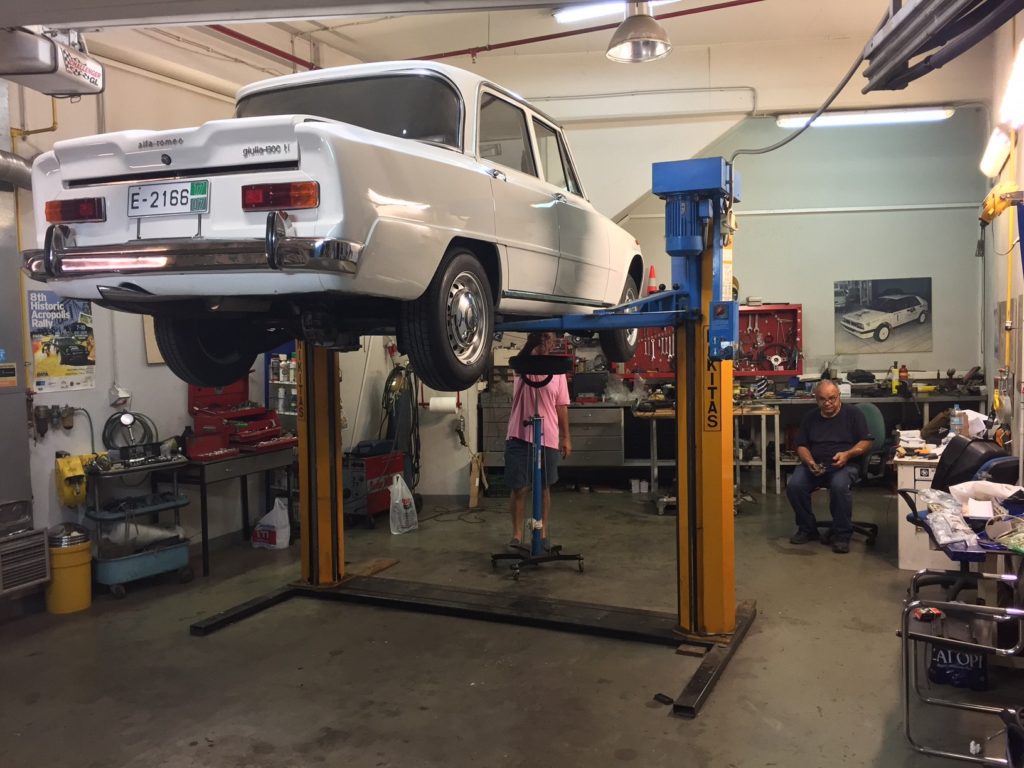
<point x="816" y="682"/>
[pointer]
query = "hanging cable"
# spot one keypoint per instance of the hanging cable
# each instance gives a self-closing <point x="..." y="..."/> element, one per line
<point x="824" y="106"/>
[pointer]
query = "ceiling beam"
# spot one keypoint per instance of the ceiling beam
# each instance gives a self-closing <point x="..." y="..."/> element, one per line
<point x="84" y="14"/>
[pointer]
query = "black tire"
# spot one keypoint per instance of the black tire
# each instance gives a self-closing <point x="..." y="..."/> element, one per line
<point x="619" y="345"/>
<point x="922" y="318"/>
<point x="118" y="591"/>
<point x="447" y="331"/>
<point x="206" y="351"/>
<point x="186" y="574"/>
<point x="882" y="332"/>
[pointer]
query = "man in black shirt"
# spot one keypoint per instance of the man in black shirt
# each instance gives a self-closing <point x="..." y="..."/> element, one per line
<point x="827" y="441"/>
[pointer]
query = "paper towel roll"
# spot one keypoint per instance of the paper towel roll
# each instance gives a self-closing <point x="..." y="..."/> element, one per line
<point x="443" y="405"/>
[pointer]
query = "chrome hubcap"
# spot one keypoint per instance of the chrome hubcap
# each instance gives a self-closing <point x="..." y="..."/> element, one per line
<point x="467" y="321"/>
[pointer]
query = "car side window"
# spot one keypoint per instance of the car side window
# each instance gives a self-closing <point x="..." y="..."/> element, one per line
<point x="554" y="159"/>
<point x="504" y="139"/>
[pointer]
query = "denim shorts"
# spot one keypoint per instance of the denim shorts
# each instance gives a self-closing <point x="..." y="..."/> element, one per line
<point x="519" y="469"/>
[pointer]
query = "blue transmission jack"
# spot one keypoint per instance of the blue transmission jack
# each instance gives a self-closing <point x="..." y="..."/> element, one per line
<point x="697" y="194"/>
<point x="547" y="366"/>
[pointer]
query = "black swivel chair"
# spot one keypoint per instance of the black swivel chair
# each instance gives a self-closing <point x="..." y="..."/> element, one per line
<point x="872" y="467"/>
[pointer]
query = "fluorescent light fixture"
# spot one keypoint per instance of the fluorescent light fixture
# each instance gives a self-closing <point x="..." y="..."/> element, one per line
<point x="587" y="11"/>
<point x="1011" y="110"/>
<point x="868" y="117"/>
<point x="639" y="38"/>
<point x="997" y="152"/>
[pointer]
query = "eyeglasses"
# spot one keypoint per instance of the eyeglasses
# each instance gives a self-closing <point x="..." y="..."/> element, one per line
<point x="833" y="399"/>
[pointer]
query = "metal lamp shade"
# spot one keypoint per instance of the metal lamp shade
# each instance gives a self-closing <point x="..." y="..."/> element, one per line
<point x="639" y="37"/>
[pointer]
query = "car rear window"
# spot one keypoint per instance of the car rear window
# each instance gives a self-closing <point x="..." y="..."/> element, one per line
<point x="410" y="106"/>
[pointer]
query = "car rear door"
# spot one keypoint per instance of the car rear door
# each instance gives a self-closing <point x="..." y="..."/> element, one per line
<point x="584" y="259"/>
<point x="525" y="215"/>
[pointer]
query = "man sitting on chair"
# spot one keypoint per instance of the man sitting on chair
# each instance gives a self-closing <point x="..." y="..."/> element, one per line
<point x="829" y="438"/>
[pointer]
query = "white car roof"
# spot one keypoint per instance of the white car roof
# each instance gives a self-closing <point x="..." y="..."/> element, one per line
<point x="466" y="81"/>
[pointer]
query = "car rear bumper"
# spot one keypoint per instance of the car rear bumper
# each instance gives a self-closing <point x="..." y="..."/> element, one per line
<point x="279" y="251"/>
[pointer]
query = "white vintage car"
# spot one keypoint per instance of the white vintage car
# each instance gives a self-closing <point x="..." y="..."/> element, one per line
<point x="412" y="198"/>
<point x="884" y="314"/>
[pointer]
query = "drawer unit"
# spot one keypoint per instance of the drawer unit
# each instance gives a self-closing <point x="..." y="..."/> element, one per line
<point x="596" y="435"/>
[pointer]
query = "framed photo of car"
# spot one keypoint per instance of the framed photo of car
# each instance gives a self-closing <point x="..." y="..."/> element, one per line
<point x="884" y="315"/>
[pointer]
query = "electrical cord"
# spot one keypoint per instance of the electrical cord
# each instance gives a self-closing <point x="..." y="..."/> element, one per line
<point x="824" y="106"/>
<point x="92" y="431"/>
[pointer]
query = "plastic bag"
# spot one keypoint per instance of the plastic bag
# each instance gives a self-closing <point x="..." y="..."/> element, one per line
<point x="950" y="527"/>
<point x="982" y="490"/>
<point x="403" y="508"/>
<point x="273" y="531"/>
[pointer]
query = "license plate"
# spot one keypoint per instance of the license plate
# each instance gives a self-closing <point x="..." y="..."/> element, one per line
<point x="170" y="198"/>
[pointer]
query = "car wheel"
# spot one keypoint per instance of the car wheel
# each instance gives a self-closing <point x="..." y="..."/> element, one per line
<point x="882" y="332"/>
<point x="447" y="331"/>
<point x="922" y="318"/>
<point x="620" y="344"/>
<point x="205" y="351"/>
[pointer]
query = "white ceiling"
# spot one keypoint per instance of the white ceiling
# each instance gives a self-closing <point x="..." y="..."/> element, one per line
<point x="410" y="36"/>
<point x="372" y="31"/>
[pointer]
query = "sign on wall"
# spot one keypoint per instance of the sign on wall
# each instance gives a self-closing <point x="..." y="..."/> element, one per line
<point x="891" y="315"/>
<point x="63" y="342"/>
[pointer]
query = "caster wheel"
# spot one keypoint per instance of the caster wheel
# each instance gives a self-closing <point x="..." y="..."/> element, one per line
<point x="580" y="563"/>
<point x="118" y="591"/>
<point x="186" y="574"/>
<point x="515" y="574"/>
<point x="871" y="541"/>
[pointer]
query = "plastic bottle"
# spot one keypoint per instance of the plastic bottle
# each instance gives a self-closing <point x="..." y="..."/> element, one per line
<point x="275" y="369"/>
<point x="894" y="377"/>
<point x="293" y="367"/>
<point x="904" y="373"/>
<point x="956" y="421"/>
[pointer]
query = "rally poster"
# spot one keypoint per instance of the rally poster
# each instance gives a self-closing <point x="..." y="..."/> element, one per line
<point x="63" y="342"/>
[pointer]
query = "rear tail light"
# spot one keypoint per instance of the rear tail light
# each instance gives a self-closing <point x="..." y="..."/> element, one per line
<point x="272" y="197"/>
<point x="78" y="210"/>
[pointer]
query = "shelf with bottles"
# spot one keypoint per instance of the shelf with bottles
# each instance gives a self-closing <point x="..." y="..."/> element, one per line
<point x="282" y="383"/>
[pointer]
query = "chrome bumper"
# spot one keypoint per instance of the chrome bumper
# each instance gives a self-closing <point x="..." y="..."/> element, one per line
<point x="60" y="258"/>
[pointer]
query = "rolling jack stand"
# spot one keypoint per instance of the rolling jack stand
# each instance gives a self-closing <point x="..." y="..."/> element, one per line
<point x="547" y="366"/>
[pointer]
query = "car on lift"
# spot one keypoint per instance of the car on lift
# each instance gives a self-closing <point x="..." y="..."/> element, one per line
<point x="884" y="314"/>
<point x="409" y="198"/>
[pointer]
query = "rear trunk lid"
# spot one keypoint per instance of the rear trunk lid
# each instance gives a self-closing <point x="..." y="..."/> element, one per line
<point x="220" y="146"/>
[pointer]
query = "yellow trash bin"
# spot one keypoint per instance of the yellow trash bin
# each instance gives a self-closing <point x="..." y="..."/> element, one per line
<point x="70" y="587"/>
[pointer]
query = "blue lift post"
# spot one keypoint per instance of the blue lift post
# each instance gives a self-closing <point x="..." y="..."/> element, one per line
<point x="699" y="195"/>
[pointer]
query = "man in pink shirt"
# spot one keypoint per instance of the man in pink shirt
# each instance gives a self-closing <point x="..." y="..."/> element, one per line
<point x="552" y="403"/>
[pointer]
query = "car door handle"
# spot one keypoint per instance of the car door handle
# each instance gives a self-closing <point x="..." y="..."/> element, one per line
<point x="559" y="197"/>
<point x="495" y="173"/>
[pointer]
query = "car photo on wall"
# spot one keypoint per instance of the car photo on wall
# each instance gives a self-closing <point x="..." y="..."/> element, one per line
<point x="883" y="315"/>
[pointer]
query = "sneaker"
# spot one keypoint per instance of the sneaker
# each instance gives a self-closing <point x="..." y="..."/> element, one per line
<point x="514" y="543"/>
<point x="803" y="537"/>
<point x="840" y="547"/>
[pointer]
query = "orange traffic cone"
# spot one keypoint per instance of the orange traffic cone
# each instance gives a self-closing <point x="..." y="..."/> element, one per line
<point x="652" y="284"/>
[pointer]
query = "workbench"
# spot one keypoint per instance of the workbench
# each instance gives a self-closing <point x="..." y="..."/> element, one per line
<point x="205" y="473"/>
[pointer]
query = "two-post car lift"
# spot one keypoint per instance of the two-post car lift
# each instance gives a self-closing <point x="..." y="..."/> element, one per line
<point x="698" y="198"/>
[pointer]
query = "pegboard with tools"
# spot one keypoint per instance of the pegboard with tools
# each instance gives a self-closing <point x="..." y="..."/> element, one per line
<point x="771" y="341"/>
<point x="655" y="354"/>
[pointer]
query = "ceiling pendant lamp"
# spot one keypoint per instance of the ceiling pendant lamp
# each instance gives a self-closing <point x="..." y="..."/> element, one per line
<point x="639" y="37"/>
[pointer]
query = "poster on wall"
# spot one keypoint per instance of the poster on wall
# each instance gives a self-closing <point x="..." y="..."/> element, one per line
<point x="882" y="316"/>
<point x="63" y="342"/>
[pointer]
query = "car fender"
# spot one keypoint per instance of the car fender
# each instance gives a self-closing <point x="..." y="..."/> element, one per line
<point x="405" y="201"/>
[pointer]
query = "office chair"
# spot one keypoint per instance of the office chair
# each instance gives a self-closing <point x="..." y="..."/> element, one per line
<point x="871" y="467"/>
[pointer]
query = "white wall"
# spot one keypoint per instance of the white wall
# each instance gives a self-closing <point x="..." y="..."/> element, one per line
<point x="855" y="204"/>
